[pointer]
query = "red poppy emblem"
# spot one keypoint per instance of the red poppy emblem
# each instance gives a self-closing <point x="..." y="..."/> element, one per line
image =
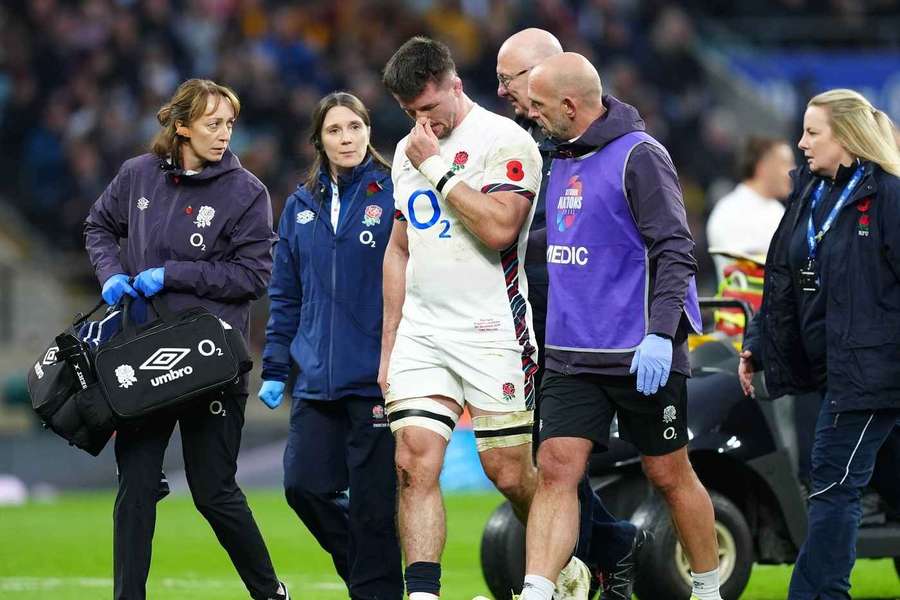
<point x="864" y="220"/>
<point x="864" y="205"/>
<point x="514" y="170"/>
<point x="461" y="158"/>
<point x="373" y="188"/>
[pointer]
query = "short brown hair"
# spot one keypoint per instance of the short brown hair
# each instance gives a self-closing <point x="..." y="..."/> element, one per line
<point x="417" y="62"/>
<point x="187" y="104"/>
<point x="754" y="151"/>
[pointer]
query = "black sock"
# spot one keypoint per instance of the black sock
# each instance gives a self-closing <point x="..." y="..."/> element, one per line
<point x="423" y="577"/>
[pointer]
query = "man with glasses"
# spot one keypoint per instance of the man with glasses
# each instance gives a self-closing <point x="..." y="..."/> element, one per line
<point x="457" y="324"/>
<point x="608" y="546"/>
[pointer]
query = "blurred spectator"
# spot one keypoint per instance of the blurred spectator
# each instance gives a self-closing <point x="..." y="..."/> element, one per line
<point x="44" y="170"/>
<point x="80" y="80"/>
<point x="742" y="222"/>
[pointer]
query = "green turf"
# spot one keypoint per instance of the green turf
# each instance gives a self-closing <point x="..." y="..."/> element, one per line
<point x="62" y="550"/>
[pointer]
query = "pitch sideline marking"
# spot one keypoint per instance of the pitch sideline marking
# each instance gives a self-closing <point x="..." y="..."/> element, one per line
<point x="31" y="584"/>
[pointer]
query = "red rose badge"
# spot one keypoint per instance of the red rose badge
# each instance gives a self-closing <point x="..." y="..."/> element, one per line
<point x="459" y="161"/>
<point x="372" y="215"/>
<point x="864" y="220"/>
<point x="514" y="170"/>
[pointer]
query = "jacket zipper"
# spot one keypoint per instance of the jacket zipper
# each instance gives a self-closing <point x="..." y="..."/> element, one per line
<point x="331" y="321"/>
<point x="334" y="291"/>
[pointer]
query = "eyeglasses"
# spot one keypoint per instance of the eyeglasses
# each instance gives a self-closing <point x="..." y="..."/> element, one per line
<point x="505" y="80"/>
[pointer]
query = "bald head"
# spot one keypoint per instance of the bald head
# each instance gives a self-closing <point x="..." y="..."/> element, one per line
<point x="571" y="75"/>
<point x="565" y="94"/>
<point x="529" y="47"/>
<point x="518" y="54"/>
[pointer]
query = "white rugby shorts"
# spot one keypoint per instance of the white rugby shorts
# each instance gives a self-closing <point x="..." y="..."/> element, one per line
<point x="491" y="376"/>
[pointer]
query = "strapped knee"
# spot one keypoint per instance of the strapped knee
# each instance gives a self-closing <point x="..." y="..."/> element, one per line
<point x="504" y="430"/>
<point x="422" y="412"/>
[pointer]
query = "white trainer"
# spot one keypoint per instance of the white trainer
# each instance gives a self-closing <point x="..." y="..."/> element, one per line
<point x="574" y="582"/>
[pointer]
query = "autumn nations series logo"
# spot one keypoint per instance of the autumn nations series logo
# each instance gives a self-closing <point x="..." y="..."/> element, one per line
<point x="569" y="204"/>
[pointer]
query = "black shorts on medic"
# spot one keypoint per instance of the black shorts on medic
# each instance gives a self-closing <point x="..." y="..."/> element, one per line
<point x="584" y="405"/>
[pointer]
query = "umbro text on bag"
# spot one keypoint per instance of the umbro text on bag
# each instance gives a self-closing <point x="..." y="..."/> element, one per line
<point x="168" y="361"/>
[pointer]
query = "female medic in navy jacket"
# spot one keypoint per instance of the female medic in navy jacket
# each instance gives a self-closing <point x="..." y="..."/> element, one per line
<point x="326" y="309"/>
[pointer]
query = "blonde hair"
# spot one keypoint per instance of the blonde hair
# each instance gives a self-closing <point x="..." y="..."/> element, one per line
<point x="187" y="104"/>
<point x="863" y="130"/>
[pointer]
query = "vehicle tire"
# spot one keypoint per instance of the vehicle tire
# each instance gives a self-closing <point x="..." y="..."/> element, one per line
<point x="503" y="553"/>
<point x="663" y="569"/>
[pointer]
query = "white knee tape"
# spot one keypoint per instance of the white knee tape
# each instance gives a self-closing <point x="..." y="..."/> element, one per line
<point x="503" y="431"/>
<point x="422" y="412"/>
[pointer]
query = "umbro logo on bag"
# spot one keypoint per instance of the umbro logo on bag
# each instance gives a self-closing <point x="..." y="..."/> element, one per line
<point x="50" y="357"/>
<point x="164" y="359"/>
<point x="171" y="376"/>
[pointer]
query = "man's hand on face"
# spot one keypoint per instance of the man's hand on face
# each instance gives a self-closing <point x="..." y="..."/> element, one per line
<point x="422" y="143"/>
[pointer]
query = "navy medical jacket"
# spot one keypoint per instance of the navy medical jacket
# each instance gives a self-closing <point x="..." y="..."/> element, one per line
<point x="325" y="293"/>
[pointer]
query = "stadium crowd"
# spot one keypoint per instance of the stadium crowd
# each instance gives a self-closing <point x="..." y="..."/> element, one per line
<point x="80" y="81"/>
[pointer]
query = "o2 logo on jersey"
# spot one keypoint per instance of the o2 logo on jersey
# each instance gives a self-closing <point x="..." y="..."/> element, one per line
<point x="435" y="213"/>
<point x="569" y="204"/>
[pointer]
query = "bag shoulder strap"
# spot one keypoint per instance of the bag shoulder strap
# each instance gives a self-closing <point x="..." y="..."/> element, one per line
<point x="80" y="318"/>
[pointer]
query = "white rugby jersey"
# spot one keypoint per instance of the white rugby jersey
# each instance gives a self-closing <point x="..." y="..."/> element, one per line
<point x="455" y="285"/>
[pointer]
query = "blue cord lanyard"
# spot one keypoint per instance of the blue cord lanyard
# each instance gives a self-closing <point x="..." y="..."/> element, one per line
<point x="813" y="238"/>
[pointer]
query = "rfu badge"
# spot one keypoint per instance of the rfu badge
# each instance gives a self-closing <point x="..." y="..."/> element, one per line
<point x="205" y="216"/>
<point x="372" y="215"/>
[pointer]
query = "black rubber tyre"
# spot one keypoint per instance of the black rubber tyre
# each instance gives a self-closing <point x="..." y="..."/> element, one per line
<point x="503" y="553"/>
<point x="663" y="570"/>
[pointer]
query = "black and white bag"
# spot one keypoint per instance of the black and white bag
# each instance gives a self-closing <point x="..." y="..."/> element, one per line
<point x="67" y="400"/>
<point x="168" y="361"/>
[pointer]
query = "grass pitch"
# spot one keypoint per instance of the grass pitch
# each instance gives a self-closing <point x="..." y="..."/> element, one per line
<point x="62" y="550"/>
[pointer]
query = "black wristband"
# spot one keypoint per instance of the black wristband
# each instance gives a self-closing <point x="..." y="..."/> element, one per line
<point x="440" y="184"/>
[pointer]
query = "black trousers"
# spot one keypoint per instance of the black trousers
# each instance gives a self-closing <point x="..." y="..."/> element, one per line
<point x="211" y="437"/>
<point x="336" y="446"/>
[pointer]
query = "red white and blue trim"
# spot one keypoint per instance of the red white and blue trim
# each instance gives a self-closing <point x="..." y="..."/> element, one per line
<point x="509" y="260"/>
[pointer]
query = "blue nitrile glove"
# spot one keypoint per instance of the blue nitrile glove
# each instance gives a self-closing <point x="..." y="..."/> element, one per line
<point x="149" y="282"/>
<point x="271" y="392"/>
<point x="115" y="287"/>
<point x="652" y="361"/>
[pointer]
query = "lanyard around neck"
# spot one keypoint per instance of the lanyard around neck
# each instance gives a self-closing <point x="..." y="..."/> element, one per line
<point x="812" y="238"/>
